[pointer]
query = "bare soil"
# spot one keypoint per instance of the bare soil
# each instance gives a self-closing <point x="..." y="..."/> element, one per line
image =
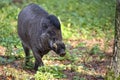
<point x="100" y="67"/>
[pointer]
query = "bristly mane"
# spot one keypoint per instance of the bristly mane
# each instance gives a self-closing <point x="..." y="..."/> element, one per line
<point x="54" y="20"/>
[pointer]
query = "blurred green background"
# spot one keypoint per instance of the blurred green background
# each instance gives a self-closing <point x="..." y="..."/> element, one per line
<point x="80" y="19"/>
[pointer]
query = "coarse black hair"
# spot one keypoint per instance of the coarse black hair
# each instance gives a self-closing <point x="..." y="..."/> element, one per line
<point x="54" y="20"/>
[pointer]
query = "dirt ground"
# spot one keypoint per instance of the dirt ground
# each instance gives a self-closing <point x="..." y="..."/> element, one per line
<point x="100" y="67"/>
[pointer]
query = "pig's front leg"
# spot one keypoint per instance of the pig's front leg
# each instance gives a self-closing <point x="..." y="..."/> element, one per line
<point x="38" y="59"/>
<point x="27" y="54"/>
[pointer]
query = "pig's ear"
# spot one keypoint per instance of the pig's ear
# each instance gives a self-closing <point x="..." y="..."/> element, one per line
<point x="54" y="20"/>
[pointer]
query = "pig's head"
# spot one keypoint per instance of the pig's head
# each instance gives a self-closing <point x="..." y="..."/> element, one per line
<point x="54" y="35"/>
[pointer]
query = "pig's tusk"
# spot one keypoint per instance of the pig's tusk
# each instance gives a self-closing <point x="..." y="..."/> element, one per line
<point x="55" y="45"/>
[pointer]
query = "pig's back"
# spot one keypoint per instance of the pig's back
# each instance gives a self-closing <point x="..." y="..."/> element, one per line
<point x="29" y="15"/>
<point x="31" y="12"/>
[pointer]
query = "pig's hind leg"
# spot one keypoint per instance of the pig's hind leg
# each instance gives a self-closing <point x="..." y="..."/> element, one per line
<point x="27" y="54"/>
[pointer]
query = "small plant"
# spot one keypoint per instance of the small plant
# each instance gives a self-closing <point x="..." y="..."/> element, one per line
<point x="17" y="74"/>
<point x="49" y="72"/>
<point x="78" y="78"/>
<point x="71" y="57"/>
<point x="111" y="76"/>
<point x="6" y="60"/>
<point x="95" y="50"/>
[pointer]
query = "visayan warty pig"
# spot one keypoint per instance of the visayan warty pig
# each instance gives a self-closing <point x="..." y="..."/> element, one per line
<point x="39" y="32"/>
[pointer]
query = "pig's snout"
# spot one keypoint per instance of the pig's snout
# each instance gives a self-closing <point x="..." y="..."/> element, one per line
<point x="62" y="53"/>
<point x="59" y="48"/>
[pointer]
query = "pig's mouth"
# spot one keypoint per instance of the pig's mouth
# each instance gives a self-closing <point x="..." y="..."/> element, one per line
<point x="62" y="54"/>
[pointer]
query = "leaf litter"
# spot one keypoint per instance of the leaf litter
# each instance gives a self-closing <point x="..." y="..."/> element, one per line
<point x="94" y="69"/>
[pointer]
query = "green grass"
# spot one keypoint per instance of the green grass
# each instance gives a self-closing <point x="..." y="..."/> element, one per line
<point x="49" y="72"/>
<point x="80" y="19"/>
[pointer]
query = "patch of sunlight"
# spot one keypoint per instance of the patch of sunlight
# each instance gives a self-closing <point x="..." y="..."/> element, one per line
<point x="51" y="62"/>
<point x="81" y="69"/>
<point x="18" y="74"/>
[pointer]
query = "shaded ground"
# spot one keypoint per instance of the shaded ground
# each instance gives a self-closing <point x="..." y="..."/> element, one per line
<point x="96" y="68"/>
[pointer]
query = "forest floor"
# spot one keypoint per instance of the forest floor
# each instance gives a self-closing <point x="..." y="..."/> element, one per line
<point x="97" y="68"/>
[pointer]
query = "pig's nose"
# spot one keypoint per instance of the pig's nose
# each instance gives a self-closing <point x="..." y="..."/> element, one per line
<point x="62" y="54"/>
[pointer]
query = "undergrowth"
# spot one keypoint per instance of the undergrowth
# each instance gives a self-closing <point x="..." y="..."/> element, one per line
<point x="80" y="20"/>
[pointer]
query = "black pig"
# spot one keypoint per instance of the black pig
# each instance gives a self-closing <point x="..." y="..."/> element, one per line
<point x="40" y="32"/>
